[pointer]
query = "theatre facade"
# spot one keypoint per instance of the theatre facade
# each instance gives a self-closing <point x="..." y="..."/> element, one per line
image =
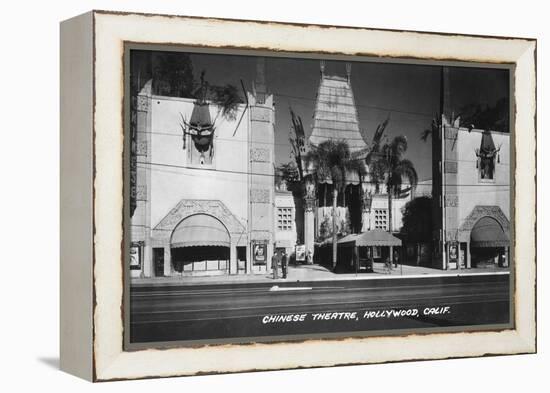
<point x="203" y="189"/>
<point x="471" y="177"/>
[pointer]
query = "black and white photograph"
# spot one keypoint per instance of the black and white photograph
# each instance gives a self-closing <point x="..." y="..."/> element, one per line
<point x="280" y="197"/>
<point x="275" y="197"/>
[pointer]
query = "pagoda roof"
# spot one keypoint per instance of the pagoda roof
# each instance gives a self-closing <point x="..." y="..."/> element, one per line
<point x="335" y="115"/>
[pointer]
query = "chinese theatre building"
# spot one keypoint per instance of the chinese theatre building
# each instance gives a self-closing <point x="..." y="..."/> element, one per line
<point x="334" y="119"/>
<point x="203" y="185"/>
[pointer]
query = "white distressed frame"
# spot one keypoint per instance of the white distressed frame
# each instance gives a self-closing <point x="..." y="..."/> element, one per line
<point x="112" y="30"/>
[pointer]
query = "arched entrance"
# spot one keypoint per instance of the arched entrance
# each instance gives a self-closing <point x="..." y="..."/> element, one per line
<point x="488" y="243"/>
<point x="200" y="244"/>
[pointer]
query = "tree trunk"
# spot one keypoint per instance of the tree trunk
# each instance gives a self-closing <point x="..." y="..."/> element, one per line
<point x="334" y="235"/>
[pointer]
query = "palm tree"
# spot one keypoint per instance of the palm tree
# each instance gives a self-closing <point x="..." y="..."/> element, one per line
<point x="388" y="166"/>
<point x="332" y="160"/>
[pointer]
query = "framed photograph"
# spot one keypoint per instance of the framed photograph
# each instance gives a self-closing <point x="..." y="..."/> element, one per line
<point x="304" y="196"/>
<point x="135" y="255"/>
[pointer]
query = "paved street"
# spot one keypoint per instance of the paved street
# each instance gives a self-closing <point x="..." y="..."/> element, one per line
<point x="168" y="313"/>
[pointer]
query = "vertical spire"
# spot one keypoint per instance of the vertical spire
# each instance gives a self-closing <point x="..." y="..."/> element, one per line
<point x="445" y="94"/>
<point x="348" y="72"/>
<point x="260" y="89"/>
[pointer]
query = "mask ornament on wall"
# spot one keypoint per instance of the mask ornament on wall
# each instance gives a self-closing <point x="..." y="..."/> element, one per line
<point x="200" y="129"/>
<point x="486" y="155"/>
<point x="200" y="126"/>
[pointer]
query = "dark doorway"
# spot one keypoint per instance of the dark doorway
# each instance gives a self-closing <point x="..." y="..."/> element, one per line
<point x="241" y="259"/>
<point x="200" y="259"/>
<point x="353" y="202"/>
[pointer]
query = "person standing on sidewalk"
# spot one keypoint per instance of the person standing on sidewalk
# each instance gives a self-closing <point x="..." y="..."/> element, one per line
<point x="309" y="257"/>
<point x="284" y="264"/>
<point x="395" y="259"/>
<point x="275" y="264"/>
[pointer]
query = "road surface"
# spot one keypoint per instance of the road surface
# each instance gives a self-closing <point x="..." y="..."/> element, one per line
<point x="175" y="313"/>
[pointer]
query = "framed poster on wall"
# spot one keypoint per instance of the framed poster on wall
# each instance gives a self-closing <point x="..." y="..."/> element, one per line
<point x="135" y="256"/>
<point x="260" y="253"/>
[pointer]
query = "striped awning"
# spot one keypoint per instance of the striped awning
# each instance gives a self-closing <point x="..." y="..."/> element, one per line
<point x="376" y="237"/>
<point x="200" y="230"/>
<point x="488" y="233"/>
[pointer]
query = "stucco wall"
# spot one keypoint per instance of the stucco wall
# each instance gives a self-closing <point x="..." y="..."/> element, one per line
<point x="381" y="202"/>
<point x="473" y="191"/>
<point x="171" y="177"/>
<point x="285" y="238"/>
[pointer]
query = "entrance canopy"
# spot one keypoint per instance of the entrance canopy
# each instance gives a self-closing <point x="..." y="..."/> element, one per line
<point x="375" y="237"/>
<point x="488" y="233"/>
<point x="200" y="230"/>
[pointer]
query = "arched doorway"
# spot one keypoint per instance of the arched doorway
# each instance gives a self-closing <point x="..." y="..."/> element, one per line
<point x="488" y="243"/>
<point x="200" y="245"/>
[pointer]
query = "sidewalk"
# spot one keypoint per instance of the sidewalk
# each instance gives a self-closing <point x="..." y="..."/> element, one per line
<point x="315" y="273"/>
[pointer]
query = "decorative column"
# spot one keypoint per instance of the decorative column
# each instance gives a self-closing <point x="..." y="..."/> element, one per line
<point x="309" y="225"/>
<point x="270" y="252"/>
<point x="366" y="211"/>
<point x="141" y="188"/>
<point x="450" y="191"/>
<point x="468" y="256"/>
<point x="261" y="154"/>
<point x="167" y="261"/>
<point x="507" y="255"/>
<point x="147" y="261"/>
<point x="233" y="259"/>
<point x="268" y="264"/>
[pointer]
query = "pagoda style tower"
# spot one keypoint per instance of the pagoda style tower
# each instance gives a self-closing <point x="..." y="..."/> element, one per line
<point x="335" y="115"/>
<point x="335" y="118"/>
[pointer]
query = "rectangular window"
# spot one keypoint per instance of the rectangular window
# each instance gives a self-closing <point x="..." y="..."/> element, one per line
<point x="381" y="219"/>
<point x="284" y="218"/>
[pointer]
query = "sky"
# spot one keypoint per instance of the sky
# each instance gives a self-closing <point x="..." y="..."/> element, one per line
<point x="408" y="93"/>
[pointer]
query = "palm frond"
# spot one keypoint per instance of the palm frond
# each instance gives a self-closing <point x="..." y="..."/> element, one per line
<point x="332" y="160"/>
<point x="406" y="169"/>
<point x="388" y="167"/>
<point x="398" y="146"/>
<point x="228" y="98"/>
<point x="377" y="137"/>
